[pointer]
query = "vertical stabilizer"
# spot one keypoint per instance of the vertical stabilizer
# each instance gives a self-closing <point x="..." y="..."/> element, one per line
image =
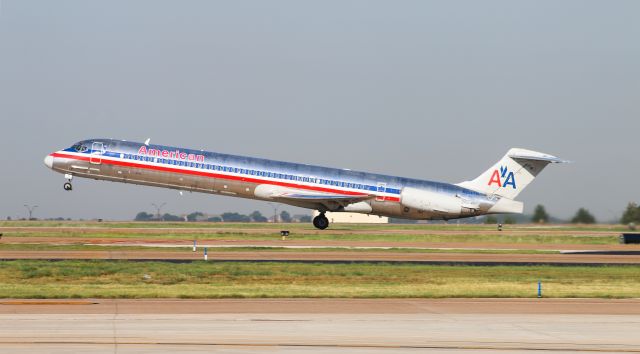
<point x="509" y="176"/>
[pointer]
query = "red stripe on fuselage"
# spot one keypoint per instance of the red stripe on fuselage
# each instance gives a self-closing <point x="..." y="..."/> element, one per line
<point x="215" y="175"/>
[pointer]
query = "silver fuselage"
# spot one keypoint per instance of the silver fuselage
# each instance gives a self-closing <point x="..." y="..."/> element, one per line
<point x="240" y="176"/>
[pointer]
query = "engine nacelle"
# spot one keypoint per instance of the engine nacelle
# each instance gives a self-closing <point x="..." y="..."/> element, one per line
<point x="429" y="201"/>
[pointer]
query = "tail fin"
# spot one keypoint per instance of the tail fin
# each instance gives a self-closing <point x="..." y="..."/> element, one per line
<point x="509" y="176"/>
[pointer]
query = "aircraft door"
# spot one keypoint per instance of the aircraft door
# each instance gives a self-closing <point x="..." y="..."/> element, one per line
<point x="97" y="149"/>
<point x="380" y="189"/>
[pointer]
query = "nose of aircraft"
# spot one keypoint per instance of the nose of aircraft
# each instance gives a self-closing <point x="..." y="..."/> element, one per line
<point x="48" y="161"/>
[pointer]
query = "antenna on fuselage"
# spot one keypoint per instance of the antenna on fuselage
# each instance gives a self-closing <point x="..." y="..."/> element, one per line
<point x="146" y="142"/>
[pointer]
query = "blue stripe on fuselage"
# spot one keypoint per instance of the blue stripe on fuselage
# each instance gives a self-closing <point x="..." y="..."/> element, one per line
<point x="367" y="181"/>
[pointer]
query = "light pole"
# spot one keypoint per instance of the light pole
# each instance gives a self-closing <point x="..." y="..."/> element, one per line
<point x="30" y="209"/>
<point x="275" y="207"/>
<point x="158" y="208"/>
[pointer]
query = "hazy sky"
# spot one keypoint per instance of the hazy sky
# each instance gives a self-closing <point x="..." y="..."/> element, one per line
<point x="428" y="89"/>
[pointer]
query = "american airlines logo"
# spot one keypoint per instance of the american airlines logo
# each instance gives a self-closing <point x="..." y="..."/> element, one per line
<point x="177" y="154"/>
<point x="503" y="175"/>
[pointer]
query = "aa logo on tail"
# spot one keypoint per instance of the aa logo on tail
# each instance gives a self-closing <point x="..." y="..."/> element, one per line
<point x="504" y="174"/>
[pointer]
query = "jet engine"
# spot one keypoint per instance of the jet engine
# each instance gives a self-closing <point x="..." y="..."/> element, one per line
<point x="430" y="201"/>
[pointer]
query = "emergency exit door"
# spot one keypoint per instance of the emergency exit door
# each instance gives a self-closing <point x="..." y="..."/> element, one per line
<point x="97" y="149"/>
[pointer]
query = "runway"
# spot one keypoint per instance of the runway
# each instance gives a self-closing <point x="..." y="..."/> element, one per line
<point x="319" y="326"/>
<point x="335" y="257"/>
<point x="292" y="242"/>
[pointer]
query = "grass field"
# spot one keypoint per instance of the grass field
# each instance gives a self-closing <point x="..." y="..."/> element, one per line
<point x="128" y="279"/>
<point x="82" y="247"/>
<point x="527" y="234"/>
<point x="122" y="279"/>
<point x="328" y="236"/>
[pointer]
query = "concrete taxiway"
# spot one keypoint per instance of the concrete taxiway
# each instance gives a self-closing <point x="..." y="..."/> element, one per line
<point x="336" y="257"/>
<point x="319" y="326"/>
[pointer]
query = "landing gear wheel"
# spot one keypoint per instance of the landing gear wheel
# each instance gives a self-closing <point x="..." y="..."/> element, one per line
<point x="67" y="186"/>
<point x="321" y="222"/>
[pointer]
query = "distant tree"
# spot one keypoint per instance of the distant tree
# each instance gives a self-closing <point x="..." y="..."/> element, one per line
<point x="285" y="216"/>
<point x="214" y="219"/>
<point x="540" y="215"/>
<point x="235" y="217"/>
<point x="8" y="218"/>
<point x="631" y="214"/>
<point x="509" y="220"/>
<point x="583" y="217"/>
<point x="258" y="217"/>
<point x="169" y="217"/>
<point x="194" y="216"/>
<point x="490" y="220"/>
<point x="303" y="218"/>
<point x="143" y="216"/>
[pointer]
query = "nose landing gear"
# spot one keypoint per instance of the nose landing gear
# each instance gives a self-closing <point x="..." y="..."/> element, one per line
<point x="67" y="186"/>
<point x="321" y="222"/>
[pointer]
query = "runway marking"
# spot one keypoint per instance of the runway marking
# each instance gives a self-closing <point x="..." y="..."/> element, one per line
<point x="472" y="346"/>
<point x="399" y="247"/>
<point x="37" y="302"/>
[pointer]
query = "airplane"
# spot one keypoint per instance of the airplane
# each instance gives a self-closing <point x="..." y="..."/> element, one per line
<point x="313" y="187"/>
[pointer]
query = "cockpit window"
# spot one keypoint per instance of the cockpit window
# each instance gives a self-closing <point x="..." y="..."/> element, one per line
<point x="80" y="148"/>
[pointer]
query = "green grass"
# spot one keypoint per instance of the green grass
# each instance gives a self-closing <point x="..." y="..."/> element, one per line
<point x="123" y="279"/>
<point x="328" y="236"/>
<point x="504" y="237"/>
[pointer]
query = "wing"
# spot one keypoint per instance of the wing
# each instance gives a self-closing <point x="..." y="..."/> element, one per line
<point x="330" y="200"/>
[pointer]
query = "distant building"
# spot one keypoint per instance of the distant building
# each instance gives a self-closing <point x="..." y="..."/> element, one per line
<point x="354" y="218"/>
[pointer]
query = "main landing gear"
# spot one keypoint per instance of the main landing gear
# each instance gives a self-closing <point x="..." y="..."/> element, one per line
<point x="321" y="222"/>
<point x="67" y="186"/>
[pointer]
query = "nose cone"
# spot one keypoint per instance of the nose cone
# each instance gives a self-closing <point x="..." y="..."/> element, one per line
<point x="48" y="161"/>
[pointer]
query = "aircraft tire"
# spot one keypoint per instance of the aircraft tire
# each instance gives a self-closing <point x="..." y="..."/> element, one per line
<point x="67" y="186"/>
<point x="321" y="222"/>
